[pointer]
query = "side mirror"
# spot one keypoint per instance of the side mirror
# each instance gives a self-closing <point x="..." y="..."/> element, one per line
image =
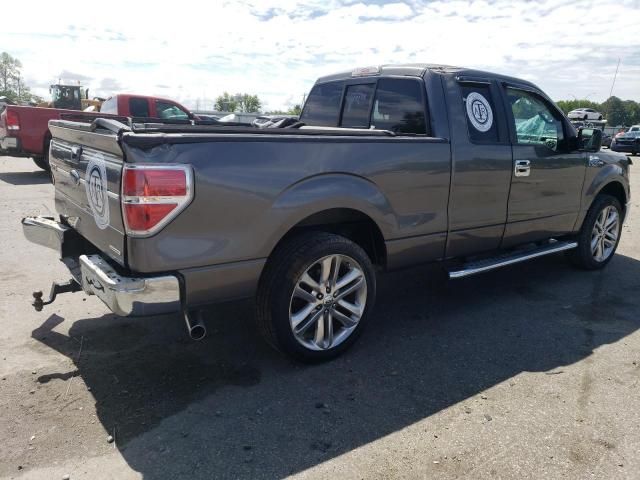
<point x="589" y="139"/>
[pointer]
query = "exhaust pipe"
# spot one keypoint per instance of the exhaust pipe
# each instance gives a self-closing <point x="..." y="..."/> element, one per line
<point x="195" y="325"/>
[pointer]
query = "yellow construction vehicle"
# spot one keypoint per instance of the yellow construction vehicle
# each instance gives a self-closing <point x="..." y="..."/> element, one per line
<point x="71" y="97"/>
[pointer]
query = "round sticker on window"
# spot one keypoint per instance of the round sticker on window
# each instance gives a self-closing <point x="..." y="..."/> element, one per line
<point x="97" y="192"/>
<point x="479" y="112"/>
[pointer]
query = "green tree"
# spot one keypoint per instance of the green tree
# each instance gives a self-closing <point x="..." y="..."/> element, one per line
<point x="567" y="105"/>
<point x="11" y="82"/>
<point x="9" y="76"/>
<point x="631" y="111"/>
<point x="226" y="103"/>
<point x="295" y="110"/>
<point x="249" y="103"/>
<point x="614" y="111"/>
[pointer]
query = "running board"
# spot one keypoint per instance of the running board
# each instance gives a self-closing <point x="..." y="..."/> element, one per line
<point x="486" y="264"/>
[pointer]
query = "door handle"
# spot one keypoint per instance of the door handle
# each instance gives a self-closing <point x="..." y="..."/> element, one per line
<point x="523" y="168"/>
<point x="76" y="151"/>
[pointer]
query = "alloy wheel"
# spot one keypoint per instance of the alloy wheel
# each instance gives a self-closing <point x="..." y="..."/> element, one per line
<point x="328" y="302"/>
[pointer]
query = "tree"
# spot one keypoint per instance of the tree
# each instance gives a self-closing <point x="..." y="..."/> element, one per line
<point x="249" y="103"/>
<point x="9" y="76"/>
<point x="295" y="110"/>
<point x="11" y="83"/>
<point x="614" y="112"/>
<point x="226" y="103"/>
<point x="240" y="102"/>
<point x="567" y="105"/>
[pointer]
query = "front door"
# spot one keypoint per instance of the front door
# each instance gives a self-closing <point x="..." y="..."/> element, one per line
<point x="547" y="175"/>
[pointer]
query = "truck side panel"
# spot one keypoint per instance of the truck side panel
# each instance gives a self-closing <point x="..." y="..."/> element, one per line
<point x="272" y="183"/>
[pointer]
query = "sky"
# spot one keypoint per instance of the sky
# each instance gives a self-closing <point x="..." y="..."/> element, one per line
<point x="194" y="51"/>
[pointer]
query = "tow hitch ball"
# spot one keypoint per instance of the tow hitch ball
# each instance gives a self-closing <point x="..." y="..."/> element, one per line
<point x="56" y="288"/>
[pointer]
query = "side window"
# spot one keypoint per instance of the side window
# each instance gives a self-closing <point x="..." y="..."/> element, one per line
<point x="109" y="105"/>
<point x="357" y="106"/>
<point x="323" y="105"/>
<point x="398" y="107"/>
<point x="535" y="122"/>
<point x="480" y="112"/>
<point x="170" y="111"/>
<point x="138" y="107"/>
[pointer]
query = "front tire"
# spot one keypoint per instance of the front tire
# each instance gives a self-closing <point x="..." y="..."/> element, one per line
<point x="600" y="234"/>
<point x="315" y="296"/>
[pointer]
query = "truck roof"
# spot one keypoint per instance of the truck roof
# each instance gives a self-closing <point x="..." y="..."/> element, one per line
<point x="419" y="69"/>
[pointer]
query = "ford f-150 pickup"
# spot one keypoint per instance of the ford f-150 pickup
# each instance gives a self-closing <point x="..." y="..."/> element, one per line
<point x="388" y="167"/>
<point x="24" y="131"/>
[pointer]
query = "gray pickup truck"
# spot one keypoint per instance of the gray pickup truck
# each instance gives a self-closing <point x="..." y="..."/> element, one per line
<point x="388" y="167"/>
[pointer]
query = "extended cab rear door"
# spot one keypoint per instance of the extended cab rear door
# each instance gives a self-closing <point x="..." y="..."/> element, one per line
<point x="86" y="168"/>
<point x="481" y="165"/>
<point x="548" y="174"/>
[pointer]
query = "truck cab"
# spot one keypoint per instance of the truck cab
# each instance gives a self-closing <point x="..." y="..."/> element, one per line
<point x="142" y="106"/>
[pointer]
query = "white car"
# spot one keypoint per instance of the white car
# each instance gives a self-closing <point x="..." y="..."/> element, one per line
<point x="584" y="114"/>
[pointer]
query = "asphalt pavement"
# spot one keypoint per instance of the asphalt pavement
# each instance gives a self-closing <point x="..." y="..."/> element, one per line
<point x="531" y="371"/>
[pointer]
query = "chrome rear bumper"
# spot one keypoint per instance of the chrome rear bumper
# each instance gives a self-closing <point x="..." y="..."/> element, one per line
<point x="127" y="296"/>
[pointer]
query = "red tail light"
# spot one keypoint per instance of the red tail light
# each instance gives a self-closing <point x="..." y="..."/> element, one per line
<point x="12" y="120"/>
<point x="152" y="196"/>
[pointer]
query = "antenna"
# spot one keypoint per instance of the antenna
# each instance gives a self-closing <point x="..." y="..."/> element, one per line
<point x="614" y="79"/>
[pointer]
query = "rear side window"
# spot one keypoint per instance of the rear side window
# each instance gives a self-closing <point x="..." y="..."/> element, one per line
<point x="323" y="105"/>
<point x="398" y="107"/>
<point x="109" y="106"/>
<point x="480" y="113"/>
<point x="138" y="107"/>
<point x="357" y="106"/>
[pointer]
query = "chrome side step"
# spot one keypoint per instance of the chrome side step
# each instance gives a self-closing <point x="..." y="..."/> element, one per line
<point x="486" y="264"/>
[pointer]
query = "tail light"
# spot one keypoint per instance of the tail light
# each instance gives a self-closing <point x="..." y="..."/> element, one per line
<point x="12" y="120"/>
<point x="153" y="195"/>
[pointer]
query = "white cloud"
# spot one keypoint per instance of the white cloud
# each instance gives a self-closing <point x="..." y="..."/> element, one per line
<point x="276" y="49"/>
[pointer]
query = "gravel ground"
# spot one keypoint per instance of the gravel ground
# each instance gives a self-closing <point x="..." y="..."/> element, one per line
<point x="531" y="371"/>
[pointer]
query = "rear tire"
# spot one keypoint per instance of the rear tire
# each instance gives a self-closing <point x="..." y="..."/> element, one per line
<point x="41" y="163"/>
<point x="600" y="234"/>
<point x="306" y="307"/>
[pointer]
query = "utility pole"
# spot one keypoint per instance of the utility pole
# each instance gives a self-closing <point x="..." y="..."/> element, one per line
<point x="614" y="79"/>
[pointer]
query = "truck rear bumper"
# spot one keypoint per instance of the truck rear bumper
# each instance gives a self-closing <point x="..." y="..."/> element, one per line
<point x="128" y="296"/>
<point x="10" y="146"/>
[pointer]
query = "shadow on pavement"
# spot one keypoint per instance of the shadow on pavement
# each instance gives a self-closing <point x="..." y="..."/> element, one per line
<point x="36" y="177"/>
<point x="229" y="407"/>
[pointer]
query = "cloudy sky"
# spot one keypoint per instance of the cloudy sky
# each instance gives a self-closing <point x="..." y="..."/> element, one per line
<point x="193" y="51"/>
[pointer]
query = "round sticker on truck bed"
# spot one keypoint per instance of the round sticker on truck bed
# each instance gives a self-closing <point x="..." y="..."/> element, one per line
<point x="97" y="191"/>
<point x="479" y="112"/>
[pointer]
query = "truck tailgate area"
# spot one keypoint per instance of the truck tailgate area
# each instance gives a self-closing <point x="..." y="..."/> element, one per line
<point x="86" y="168"/>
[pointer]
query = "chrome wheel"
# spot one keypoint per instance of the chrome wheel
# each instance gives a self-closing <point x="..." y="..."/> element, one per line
<point x="605" y="234"/>
<point x="328" y="302"/>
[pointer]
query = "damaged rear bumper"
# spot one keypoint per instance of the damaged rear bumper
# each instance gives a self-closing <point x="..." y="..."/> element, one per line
<point x="125" y="295"/>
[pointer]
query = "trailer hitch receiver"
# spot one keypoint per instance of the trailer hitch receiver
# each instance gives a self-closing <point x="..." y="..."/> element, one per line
<point x="56" y="288"/>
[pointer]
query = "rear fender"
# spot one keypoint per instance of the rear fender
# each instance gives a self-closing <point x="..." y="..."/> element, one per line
<point x="328" y="191"/>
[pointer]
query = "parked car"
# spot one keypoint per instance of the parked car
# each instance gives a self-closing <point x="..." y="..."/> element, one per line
<point x="394" y="166"/>
<point x="627" y="142"/>
<point x="606" y="140"/>
<point x="24" y="131"/>
<point x="584" y="114"/>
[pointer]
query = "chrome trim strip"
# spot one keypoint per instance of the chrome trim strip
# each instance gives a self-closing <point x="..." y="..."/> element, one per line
<point x="129" y="296"/>
<point x="470" y="269"/>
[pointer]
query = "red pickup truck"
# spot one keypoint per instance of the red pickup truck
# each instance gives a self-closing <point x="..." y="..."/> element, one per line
<point x="24" y="131"/>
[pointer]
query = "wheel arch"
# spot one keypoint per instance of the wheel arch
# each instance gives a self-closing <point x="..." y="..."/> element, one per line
<point x="350" y="223"/>
<point x="616" y="189"/>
